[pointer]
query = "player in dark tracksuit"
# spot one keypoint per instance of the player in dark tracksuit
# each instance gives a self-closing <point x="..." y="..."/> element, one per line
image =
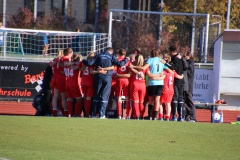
<point x="177" y="101"/>
<point x="103" y="82"/>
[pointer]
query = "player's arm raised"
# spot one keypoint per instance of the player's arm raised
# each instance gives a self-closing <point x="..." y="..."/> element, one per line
<point x="119" y="63"/>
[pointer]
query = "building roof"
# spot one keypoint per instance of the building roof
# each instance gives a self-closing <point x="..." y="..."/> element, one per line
<point x="229" y="35"/>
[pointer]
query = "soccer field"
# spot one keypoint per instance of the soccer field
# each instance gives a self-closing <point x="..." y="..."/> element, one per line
<point x="27" y="137"/>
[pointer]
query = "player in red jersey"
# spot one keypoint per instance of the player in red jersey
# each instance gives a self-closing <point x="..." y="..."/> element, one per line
<point x="54" y="66"/>
<point x="87" y="86"/>
<point x="167" y="93"/>
<point x="122" y="85"/>
<point x="132" y="60"/>
<point x="61" y="82"/>
<point x="73" y="85"/>
<point x="138" y="87"/>
<point x="168" y="90"/>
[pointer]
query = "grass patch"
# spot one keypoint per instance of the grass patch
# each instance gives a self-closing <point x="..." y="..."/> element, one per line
<point x="24" y="137"/>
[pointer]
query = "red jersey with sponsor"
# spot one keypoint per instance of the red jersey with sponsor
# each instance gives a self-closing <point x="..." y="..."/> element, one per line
<point x="74" y="76"/>
<point x="61" y="69"/>
<point x="87" y="77"/>
<point x="168" y="82"/>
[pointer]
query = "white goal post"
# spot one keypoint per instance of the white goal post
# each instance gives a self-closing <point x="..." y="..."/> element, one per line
<point x="125" y="15"/>
<point x="28" y="44"/>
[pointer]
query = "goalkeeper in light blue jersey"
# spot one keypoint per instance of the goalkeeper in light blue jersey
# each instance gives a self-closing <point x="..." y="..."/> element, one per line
<point x="155" y="67"/>
<point x="154" y="86"/>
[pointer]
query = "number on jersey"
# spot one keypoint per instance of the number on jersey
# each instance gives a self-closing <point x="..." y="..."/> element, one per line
<point x="139" y="77"/>
<point x="86" y="72"/>
<point x="68" y="72"/>
<point x="157" y="67"/>
<point x="123" y="68"/>
<point x="71" y="73"/>
<point x="170" y="79"/>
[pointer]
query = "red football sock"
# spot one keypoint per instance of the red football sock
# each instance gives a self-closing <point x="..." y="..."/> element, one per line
<point x="141" y="109"/>
<point x="119" y="108"/>
<point x="54" y="112"/>
<point x="65" y="113"/>
<point x="128" y="108"/>
<point x="160" y="115"/>
<point x="87" y="106"/>
<point x="69" y="107"/>
<point x="135" y="109"/>
<point x="167" y="117"/>
<point x="78" y="108"/>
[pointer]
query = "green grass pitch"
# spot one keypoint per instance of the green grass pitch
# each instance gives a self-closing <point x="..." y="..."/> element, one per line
<point x="55" y="138"/>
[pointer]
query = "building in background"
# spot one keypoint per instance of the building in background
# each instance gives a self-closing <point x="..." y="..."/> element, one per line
<point x="82" y="10"/>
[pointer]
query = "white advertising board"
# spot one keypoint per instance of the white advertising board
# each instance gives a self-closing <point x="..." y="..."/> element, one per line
<point x="202" y="87"/>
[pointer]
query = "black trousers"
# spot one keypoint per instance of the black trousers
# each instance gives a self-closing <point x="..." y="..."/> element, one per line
<point x="190" y="108"/>
<point x="45" y="105"/>
<point x="177" y="101"/>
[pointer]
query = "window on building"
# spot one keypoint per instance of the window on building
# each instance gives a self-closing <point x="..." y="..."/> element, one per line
<point x="40" y="6"/>
<point x="103" y="10"/>
<point x="57" y="6"/>
<point x="136" y="6"/>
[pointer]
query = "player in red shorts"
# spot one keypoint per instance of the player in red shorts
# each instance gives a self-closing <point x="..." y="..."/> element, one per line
<point x="168" y="90"/>
<point x="122" y="85"/>
<point x="73" y="85"/>
<point x="61" y="82"/>
<point x="53" y="64"/>
<point x="87" y="86"/>
<point x="138" y="87"/>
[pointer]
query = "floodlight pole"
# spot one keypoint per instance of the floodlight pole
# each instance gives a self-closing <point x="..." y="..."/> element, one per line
<point x="160" y="27"/>
<point x="228" y="14"/>
<point x="206" y="39"/>
<point x="193" y="28"/>
<point x="4" y="13"/>
<point x="110" y="30"/>
<point x="35" y="13"/>
<point x="96" y="16"/>
<point x="65" y="15"/>
<point x="127" y="28"/>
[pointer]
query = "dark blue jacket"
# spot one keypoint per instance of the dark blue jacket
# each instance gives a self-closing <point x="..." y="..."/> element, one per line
<point x="104" y="60"/>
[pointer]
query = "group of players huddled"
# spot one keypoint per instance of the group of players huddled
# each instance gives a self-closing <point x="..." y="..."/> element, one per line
<point x="89" y="85"/>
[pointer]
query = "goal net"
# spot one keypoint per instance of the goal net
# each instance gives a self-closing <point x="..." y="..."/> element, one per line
<point x="43" y="45"/>
<point x="147" y="30"/>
